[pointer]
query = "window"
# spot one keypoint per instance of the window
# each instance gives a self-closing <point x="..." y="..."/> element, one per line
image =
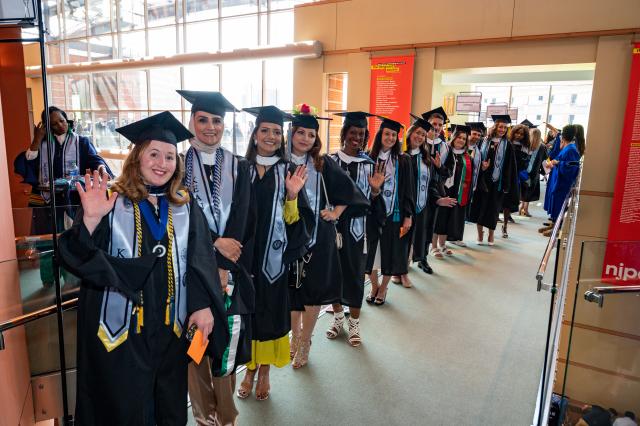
<point x="571" y="118"/>
<point x="574" y="98"/>
<point x="540" y="98"/>
<point x="336" y="101"/>
<point x="538" y="117"/>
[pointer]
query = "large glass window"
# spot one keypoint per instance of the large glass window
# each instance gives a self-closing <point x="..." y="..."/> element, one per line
<point x="99" y="30"/>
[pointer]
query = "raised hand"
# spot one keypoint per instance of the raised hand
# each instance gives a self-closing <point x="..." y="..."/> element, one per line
<point x="377" y="178"/>
<point x="295" y="182"/>
<point x="437" y="161"/>
<point x="95" y="202"/>
<point x="39" y="133"/>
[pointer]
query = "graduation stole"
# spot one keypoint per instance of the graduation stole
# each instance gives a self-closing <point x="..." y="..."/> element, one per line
<point x="272" y="263"/>
<point x="70" y="156"/>
<point x="424" y="175"/>
<point x="126" y="242"/>
<point x="365" y="169"/>
<point x="312" y="189"/>
<point x="476" y="155"/>
<point x="465" y="180"/>
<point x="214" y="194"/>
<point x="390" y="195"/>
<point x="438" y="145"/>
<point x="234" y="325"/>
<point x="496" y="174"/>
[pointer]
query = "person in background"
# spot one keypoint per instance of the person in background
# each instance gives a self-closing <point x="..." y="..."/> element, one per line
<point x="331" y="193"/>
<point x="369" y="178"/>
<point x="149" y="275"/>
<point x="519" y="139"/>
<point x="71" y="156"/>
<point x="495" y="178"/>
<point x="220" y="183"/>
<point x="627" y="419"/>
<point x="283" y="229"/>
<point x="398" y="193"/>
<point x="564" y="169"/>
<point x="530" y="177"/>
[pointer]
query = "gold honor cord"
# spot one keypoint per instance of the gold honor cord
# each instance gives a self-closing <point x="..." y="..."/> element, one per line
<point x="139" y="310"/>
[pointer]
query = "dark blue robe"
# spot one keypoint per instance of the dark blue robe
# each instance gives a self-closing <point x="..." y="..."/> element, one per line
<point x="562" y="178"/>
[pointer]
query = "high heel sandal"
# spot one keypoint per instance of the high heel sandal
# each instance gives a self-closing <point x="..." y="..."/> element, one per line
<point x="295" y="343"/>
<point x="243" y="392"/>
<point x="302" y="355"/>
<point x="504" y="232"/>
<point x="354" y="332"/>
<point x="372" y="296"/>
<point x="380" y="300"/>
<point x="262" y="396"/>
<point x="336" y="326"/>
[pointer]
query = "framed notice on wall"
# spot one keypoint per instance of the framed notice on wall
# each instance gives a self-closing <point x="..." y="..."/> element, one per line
<point x="622" y="257"/>
<point x="497" y="109"/>
<point x="391" y="89"/>
<point x="468" y="103"/>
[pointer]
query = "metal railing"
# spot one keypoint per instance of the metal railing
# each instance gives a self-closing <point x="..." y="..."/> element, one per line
<point x="556" y="305"/>
<point x="596" y="294"/>
<point x="33" y="316"/>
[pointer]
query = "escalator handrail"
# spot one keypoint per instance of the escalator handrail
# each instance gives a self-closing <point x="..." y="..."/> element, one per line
<point x="36" y="315"/>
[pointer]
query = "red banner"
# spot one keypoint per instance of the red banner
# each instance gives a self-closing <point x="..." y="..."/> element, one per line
<point x="622" y="258"/>
<point x="391" y="89"/>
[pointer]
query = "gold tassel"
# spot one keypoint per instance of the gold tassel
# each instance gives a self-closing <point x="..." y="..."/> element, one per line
<point x="167" y="314"/>
<point x="140" y="319"/>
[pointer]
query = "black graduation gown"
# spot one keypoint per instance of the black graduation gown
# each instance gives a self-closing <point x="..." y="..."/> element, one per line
<point x="422" y="229"/>
<point x="450" y="220"/>
<point x="144" y="379"/>
<point x="487" y="199"/>
<point x="394" y="251"/>
<point x="353" y="257"/>
<point x="241" y="227"/>
<point x="521" y="159"/>
<point x="272" y="317"/>
<point x="322" y="282"/>
<point x="530" y="189"/>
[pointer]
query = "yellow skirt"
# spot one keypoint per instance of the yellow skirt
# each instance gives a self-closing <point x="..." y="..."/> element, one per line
<point x="269" y="352"/>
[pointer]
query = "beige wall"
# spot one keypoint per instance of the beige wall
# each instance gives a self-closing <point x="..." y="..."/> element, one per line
<point x="607" y="345"/>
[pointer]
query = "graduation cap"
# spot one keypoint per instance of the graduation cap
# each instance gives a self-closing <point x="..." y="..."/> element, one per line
<point x="354" y="118"/>
<point x="477" y="125"/>
<point x="529" y="124"/>
<point x="307" y="121"/>
<point x="388" y="123"/>
<point x="427" y="115"/>
<point x="269" y="114"/>
<point x="160" y="127"/>
<point x="505" y="118"/>
<point x="458" y="128"/>
<point x="421" y="122"/>
<point x="211" y="102"/>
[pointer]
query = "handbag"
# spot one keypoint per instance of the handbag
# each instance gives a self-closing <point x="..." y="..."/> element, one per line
<point x="330" y="207"/>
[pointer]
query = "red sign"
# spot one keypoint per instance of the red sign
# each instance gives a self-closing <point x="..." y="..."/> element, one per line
<point x="391" y="89"/>
<point x="622" y="258"/>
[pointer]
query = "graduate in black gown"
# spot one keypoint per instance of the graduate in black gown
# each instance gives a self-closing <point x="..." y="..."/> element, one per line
<point x="72" y="156"/>
<point x="438" y="149"/>
<point x="353" y="256"/>
<point x="283" y="229"/>
<point x="220" y="183"/>
<point x="476" y="135"/>
<point x="530" y="184"/>
<point x="148" y="273"/>
<point x="458" y="186"/>
<point x="519" y="138"/>
<point x="398" y="194"/>
<point x="320" y="282"/>
<point x="496" y="175"/>
<point x="423" y="171"/>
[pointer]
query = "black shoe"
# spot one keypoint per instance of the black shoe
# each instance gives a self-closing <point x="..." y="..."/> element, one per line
<point x="424" y="265"/>
<point x="511" y="220"/>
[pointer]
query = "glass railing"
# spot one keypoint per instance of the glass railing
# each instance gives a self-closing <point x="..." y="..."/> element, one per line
<point x="598" y="370"/>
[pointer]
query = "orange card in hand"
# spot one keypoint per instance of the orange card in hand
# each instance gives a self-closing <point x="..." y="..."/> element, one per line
<point x="197" y="347"/>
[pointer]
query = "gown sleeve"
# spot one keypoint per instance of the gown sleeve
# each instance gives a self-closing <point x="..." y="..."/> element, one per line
<point x="238" y="219"/>
<point x="555" y="149"/>
<point x="85" y="256"/>
<point x="28" y="169"/>
<point x="299" y="232"/>
<point x="203" y="282"/>
<point x="342" y="191"/>
<point x="89" y="158"/>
